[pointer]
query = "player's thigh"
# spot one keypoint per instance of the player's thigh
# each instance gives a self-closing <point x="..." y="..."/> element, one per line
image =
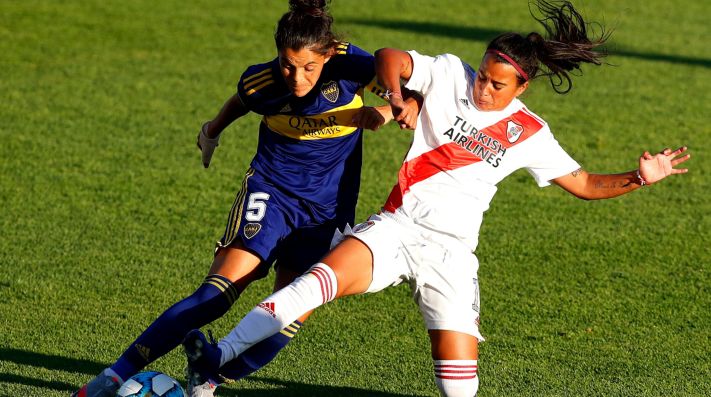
<point x="256" y="224"/>
<point x="352" y="262"/>
<point x="447" y="289"/>
<point x="453" y="345"/>
<point x="259" y="218"/>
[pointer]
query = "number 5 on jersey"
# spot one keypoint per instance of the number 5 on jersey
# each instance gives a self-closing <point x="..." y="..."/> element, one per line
<point x="256" y="206"/>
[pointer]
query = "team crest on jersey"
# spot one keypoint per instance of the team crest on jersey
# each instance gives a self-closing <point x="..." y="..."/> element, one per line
<point x="251" y="229"/>
<point x="330" y="91"/>
<point x="361" y="227"/>
<point x="513" y="131"/>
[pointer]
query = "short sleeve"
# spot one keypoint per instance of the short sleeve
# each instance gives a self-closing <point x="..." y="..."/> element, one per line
<point x="550" y="159"/>
<point x="257" y="84"/>
<point x="427" y="71"/>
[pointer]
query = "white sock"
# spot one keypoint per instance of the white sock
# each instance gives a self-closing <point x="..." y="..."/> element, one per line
<point x="456" y="378"/>
<point x="314" y="288"/>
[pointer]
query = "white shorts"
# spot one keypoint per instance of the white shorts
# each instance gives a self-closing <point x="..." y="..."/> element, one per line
<point x="441" y="270"/>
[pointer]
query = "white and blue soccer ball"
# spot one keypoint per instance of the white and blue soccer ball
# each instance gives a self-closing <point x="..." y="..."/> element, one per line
<point x="151" y="383"/>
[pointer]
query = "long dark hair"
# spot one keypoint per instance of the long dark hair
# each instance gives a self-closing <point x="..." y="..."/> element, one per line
<point x="306" y="25"/>
<point x="564" y="48"/>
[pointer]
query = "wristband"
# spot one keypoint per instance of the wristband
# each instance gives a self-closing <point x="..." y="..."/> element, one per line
<point x="389" y="94"/>
<point x="640" y="179"/>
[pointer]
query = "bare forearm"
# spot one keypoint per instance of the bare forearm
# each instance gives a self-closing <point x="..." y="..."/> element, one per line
<point x="603" y="186"/>
<point x="652" y="169"/>
<point x="231" y="111"/>
<point x="599" y="186"/>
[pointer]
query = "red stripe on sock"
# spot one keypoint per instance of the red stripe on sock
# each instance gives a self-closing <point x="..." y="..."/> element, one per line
<point x="329" y="284"/>
<point x="455" y="371"/>
<point x="456" y="377"/>
<point x="454" y="366"/>
<point x="320" y="282"/>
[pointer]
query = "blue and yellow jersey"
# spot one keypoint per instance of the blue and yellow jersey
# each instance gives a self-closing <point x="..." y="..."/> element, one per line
<point x="308" y="146"/>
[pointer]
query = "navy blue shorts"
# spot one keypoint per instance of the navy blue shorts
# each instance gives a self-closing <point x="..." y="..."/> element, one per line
<point x="277" y="226"/>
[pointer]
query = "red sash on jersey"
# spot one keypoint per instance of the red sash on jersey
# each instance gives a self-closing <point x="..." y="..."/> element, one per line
<point x="451" y="156"/>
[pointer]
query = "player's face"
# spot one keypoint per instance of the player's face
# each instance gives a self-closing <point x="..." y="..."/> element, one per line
<point x="496" y="85"/>
<point x="301" y="69"/>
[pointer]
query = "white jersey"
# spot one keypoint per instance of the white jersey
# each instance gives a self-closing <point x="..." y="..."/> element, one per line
<point x="460" y="153"/>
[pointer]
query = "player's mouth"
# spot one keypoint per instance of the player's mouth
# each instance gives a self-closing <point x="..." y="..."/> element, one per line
<point x="482" y="104"/>
<point x="299" y="90"/>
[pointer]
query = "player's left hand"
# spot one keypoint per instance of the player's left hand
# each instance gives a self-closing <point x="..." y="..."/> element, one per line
<point x="404" y="114"/>
<point x="207" y="145"/>
<point x="654" y="168"/>
<point x="372" y="118"/>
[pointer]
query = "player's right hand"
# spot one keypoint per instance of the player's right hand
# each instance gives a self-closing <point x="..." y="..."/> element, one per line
<point x="206" y="144"/>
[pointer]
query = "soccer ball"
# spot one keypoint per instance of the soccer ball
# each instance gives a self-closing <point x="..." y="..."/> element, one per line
<point x="151" y="384"/>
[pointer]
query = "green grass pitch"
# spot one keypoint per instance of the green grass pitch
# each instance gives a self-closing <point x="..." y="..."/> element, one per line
<point x="107" y="216"/>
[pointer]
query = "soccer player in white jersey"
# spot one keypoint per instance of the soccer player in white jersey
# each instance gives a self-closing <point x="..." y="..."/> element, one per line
<point x="471" y="132"/>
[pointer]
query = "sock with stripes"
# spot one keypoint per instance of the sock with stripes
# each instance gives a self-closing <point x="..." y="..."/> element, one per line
<point x="456" y="378"/>
<point x="209" y="302"/>
<point x="313" y="289"/>
<point x="260" y="354"/>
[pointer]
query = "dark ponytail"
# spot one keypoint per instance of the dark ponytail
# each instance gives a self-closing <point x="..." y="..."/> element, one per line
<point x="566" y="46"/>
<point x="306" y="25"/>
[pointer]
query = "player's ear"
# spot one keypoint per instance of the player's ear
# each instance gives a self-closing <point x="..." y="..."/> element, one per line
<point x="327" y="56"/>
<point x="520" y="90"/>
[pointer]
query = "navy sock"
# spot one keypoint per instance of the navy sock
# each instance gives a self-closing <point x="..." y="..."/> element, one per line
<point x="209" y="302"/>
<point x="260" y="354"/>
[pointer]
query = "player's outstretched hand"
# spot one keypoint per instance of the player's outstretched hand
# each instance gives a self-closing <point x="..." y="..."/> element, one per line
<point x="206" y="144"/>
<point x="654" y="168"/>
<point x="372" y="118"/>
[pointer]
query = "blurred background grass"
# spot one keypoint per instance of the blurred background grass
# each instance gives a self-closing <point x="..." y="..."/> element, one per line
<point x="108" y="216"/>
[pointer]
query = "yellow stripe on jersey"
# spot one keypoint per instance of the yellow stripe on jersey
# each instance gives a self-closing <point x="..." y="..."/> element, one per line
<point x="342" y="48"/>
<point x="332" y="124"/>
<point x="234" y="219"/>
<point x="257" y="81"/>
<point x="259" y="87"/>
<point x="256" y="75"/>
<point x="376" y="88"/>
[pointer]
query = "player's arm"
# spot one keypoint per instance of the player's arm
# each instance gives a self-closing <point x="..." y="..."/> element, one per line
<point x="393" y="66"/>
<point x="209" y="136"/>
<point x="652" y="169"/>
<point x="374" y="117"/>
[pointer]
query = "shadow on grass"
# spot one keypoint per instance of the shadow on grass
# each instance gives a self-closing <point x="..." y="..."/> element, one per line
<point x="290" y="389"/>
<point x="88" y="367"/>
<point x="485" y="35"/>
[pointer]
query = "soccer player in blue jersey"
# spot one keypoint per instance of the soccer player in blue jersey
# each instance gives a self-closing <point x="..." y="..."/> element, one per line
<point x="302" y="185"/>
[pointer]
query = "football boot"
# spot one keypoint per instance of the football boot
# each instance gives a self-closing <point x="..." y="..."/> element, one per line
<point x="106" y="384"/>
